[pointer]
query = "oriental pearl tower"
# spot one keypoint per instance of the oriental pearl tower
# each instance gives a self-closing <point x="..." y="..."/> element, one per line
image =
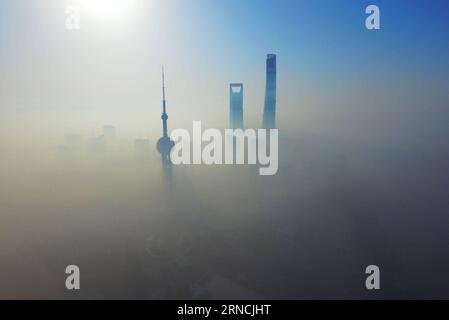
<point x="165" y="144"/>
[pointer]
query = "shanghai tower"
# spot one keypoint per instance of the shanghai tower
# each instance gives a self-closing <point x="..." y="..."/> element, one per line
<point x="269" y="115"/>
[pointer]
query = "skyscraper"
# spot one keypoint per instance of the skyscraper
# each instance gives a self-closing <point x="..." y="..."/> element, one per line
<point x="236" y="105"/>
<point x="165" y="144"/>
<point x="269" y="115"/>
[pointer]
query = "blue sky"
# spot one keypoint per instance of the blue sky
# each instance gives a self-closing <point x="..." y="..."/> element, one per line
<point x="415" y="29"/>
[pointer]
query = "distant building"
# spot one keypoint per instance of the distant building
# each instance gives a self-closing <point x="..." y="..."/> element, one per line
<point x="269" y="116"/>
<point x="102" y="142"/>
<point x="236" y="105"/>
<point x="109" y="133"/>
<point x="97" y="144"/>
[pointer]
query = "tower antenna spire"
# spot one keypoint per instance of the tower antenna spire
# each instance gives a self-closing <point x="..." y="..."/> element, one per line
<point x="164" y="102"/>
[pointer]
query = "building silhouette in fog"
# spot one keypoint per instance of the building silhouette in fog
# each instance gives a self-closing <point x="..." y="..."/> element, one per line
<point x="269" y="115"/>
<point x="165" y="144"/>
<point x="104" y="141"/>
<point x="109" y="133"/>
<point x="236" y="105"/>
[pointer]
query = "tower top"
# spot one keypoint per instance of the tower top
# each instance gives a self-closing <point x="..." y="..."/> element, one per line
<point x="163" y="83"/>
<point x="164" y="101"/>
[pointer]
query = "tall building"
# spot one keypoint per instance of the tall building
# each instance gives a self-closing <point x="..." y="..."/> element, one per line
<point x="269" y="115"/>
<point x="165" y="144"/>
<point x="236" y="105"/>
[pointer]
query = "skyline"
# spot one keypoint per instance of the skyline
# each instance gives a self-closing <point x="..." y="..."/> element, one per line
<point x="329" y="60"/>
<point x="335" y="77"/>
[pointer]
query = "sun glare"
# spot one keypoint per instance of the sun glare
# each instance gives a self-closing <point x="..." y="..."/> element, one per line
<point x="108" y="8"/>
